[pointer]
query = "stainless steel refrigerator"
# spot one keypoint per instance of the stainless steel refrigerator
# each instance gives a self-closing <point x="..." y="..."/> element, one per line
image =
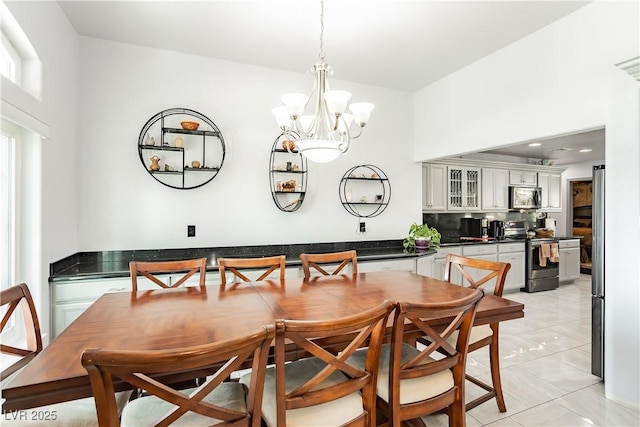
<point x="597" y="273"/>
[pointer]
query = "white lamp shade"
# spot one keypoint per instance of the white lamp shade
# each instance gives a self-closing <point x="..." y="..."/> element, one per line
<point x="361" y="112"/>
<point x="319" y="151"/>
<point x="337" y="100"/>
<point x="294" y="103"/>
<point x="282" y="118"/>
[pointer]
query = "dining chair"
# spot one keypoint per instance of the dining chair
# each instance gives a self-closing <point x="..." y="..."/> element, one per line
<point x="18" y="299"/>
<point x="149" y="269"/>
<point x="415" y="382"/>
<point x="316" y="260"/>
<point x="213" y="402"/>
<point x="321" y="389"/>
<point x="235" y="264"/>
<point x="475" y="274"/>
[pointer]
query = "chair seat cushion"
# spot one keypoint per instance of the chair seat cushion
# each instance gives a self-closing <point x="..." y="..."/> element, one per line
<point x="147" y="410"/>
<point x="333" y="413"/>
<point x="411" y="390"/>
<point x="477" y="333"/>
<point x="75" y="413"/>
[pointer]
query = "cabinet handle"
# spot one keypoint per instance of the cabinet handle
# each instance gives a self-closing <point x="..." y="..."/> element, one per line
<point x="115" y="289"/>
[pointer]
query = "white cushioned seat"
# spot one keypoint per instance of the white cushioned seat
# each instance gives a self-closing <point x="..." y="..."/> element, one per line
<point x="477" y="333"/>
<point x="146" y="410"/>
<point x="333" y="413"/>
<point x="75" y="413"/>
<point x="411" y="390"/>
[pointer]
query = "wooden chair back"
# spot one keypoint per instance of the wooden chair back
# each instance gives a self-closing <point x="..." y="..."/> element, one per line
<point x="12" y="298"/>
<point x="148" y="269"/>
<point x="314" y="337"/>
<point x="476" y="272"/>
<point x="138" y="368"/>
<point x="235" y="264"/>
<point x="449" y="357"/>
<point x="315" y="261"/>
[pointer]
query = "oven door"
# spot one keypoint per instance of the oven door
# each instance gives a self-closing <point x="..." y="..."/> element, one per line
<point x="540" y="266"/>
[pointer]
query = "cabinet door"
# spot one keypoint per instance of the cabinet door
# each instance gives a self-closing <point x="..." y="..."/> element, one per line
<point x="463" y="188"/>
<point x="408" y="264"/>
<point x="569" y="264"/>
<point x="434" y="184"/>
<point x="522" y="177"/>
<point x="64" y="314"/>
<point x="550" y="187"/>
<point x="495" y="189"/>
<point x="516" y="275"/>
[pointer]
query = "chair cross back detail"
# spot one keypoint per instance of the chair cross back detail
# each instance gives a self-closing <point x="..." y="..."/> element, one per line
<point x="148" y="269"/>
<point x="315" y="338"/>
<point x="315" y="261"/>
<point x="235" y="264"/>
<point x="419" y="363"/>
<point x="136" y="367"/>
<point x="14" y="297"/>
<point x="495" y="269"/>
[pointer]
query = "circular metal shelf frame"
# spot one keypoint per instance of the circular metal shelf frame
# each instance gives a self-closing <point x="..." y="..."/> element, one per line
<point x="373" y="188"/>
<point x="166" y="124"/>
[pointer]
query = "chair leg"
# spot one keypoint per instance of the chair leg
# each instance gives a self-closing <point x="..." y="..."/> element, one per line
<point x="494" y="358"/>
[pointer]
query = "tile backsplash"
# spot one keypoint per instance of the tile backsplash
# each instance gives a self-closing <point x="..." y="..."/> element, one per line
<point x="448" y="224"/>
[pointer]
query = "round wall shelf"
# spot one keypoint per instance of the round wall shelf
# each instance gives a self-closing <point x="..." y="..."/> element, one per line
<point x="365" y="191"/>
<point x="287" y="175"/>
<point x="178" y="155"/>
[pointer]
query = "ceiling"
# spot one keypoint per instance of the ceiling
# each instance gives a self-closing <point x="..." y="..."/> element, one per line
<point x="562" y="150"/>
<point x="398" y="44"/>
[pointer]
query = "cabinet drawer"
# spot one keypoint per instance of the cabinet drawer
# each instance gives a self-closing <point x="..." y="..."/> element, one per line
<point x="84" y="290"/>
<point x="504" y="248"/>
<point x="486" y="249"/>
<point x="442" y="252"/>
<point x="573" y="243"/>
<point x="401" y="264"/>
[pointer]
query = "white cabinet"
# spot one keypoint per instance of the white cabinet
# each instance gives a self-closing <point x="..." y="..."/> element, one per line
<point x="569" y="260"/>
<point x="487" y="252"/>
<point x="434" y="187"/>
<point x="523" y="177"/>
<point x="433" y="265"/>
<point x="549" y="184"/>
<point x="463" y="188"/>
<point x="406" y="264"/>
<point x="495" y="189"/>
<point x="513" y="253"/>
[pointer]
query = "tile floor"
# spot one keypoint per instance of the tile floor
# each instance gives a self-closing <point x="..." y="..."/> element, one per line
<point x="546" y="367"/>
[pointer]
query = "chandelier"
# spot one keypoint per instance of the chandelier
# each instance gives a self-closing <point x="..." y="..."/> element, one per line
<point x="323" y="134"/>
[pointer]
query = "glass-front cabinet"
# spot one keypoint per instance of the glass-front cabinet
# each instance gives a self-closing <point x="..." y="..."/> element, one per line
<point x="463" y="188"/>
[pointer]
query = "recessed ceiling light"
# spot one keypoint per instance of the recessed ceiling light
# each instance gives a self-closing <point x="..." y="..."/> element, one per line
<point x="561" y="149"/>
<point x="535" y="144"/>
<point x="586" y="150"/>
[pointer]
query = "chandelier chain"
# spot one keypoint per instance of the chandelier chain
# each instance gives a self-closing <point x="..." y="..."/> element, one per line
<point x="321" y="55"/>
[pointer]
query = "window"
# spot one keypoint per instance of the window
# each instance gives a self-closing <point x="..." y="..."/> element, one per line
<point x="9" y="60"/>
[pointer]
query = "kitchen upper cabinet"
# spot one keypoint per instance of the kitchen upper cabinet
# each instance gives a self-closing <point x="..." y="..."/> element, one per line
<point x="523" y="177"/>
<point x="495" y="190"/>
<point x="434" y="188"/>
<point x="550" y="189"/>
<point x="463" y="188"/>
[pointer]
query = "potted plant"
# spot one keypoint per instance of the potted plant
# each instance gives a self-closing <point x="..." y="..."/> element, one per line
<point x="421" y="237"/>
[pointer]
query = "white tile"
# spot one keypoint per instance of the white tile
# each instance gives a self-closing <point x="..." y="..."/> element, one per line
<point x="591" y="404"/>
<point x="550" y="414"/>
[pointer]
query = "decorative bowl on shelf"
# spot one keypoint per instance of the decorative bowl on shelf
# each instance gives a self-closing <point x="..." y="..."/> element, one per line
<point x="187" y="125"/>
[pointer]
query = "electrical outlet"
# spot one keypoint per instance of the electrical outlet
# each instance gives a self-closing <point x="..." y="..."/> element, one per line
<point x="191" y="230"/>
<point x="363" y="228"/>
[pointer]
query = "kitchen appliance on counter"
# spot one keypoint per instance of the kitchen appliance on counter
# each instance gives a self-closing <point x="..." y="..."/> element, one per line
<point x="525" y="198"/>
<point x="496" y="230"/>
<point x="597" y="273"/>
<point x="474" y="227"/>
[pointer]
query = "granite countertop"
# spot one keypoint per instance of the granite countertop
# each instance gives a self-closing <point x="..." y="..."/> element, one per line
<point x="490" y="241"/>
<point x="113" y="264"/>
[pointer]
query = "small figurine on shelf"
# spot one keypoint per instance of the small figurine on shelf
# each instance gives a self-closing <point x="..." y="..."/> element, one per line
<point x="195" y="164"/>
<point x="168" y="168"/>
<point x="155" y="166"/>
<point x="149" y="140"/>
<point x="178" y="142"/>
<point x="363" y="199"/>
<point x="295" y="168"/>
<point x="375" y="176"/>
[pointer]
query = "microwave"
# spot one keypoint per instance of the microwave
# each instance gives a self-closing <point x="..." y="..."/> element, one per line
<point x="525" y="198"/>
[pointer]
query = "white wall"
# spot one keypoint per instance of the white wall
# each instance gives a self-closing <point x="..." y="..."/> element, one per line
<point x="121" y="206"/>
<point x="559" y="80"/>
<point x="54" y="212"/>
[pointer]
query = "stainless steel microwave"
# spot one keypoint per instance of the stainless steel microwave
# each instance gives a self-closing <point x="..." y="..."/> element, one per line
<point x="525" y="197"/>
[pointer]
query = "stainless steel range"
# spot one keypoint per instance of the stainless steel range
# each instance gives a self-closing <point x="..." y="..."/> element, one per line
<point x="542" y="258"/>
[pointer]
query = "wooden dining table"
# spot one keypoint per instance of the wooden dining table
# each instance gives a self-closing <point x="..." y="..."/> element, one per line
<point x="189" y="316"/>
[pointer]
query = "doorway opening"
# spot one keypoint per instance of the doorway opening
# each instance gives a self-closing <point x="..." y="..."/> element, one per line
<point x="581" y="219"/>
